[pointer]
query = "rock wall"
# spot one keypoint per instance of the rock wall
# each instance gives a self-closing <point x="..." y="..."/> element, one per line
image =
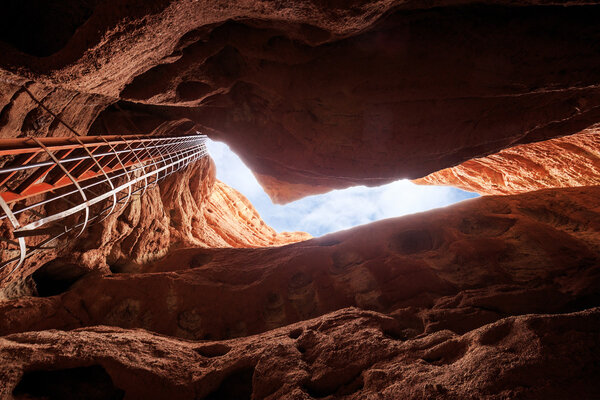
<point x="455" y="268"/>
<point x="350" y="354"/>
<point x="319" y="96"/>
<point x="191" y="208"/>
<point x="490" y="298"/>
<point x="232" y="221"/>
<point x="24" y="106"/>
<point x="188" y="209"/>
<point x="568" y="161"/>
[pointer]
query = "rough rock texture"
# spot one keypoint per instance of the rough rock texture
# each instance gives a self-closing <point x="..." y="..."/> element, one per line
<point x="232" y="221"/>
<point x="325" y="94"/>
<point x="188" y="209"/>
<point x="494" y="298"/>
<point x="24" y="109"/>
<point x="455" y="268"/>
<point x="350" y="354"/>
<point x="176" y="215"/>
<point x="569" y="161"/>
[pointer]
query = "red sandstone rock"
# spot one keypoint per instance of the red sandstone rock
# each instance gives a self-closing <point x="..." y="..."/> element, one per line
<point x="324" y="95"/>
<point x="232" y="221"/>
<point x="349" y="354"/>
<point x="563" y="162"/>
<point x="22" y="115"/>
<point x="316" y="96"/>
<point x="188" y="209"/>
<point x="453" y="268"/>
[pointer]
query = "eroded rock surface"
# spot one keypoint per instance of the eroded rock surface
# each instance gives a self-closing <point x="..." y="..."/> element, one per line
<point x="350" y="354"/>
<point x="454" y="268"/>
<point x="191" y="208"/>
<point x="493" y="298"/>
<point x="569" y="161"/>
<point x="315" y="96"/>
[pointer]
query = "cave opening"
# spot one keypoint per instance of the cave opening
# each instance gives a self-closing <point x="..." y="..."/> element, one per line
<point x="335" y="210"/>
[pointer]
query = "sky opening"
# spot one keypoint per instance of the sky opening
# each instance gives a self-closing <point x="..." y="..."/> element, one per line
<point x="336" y="210"/>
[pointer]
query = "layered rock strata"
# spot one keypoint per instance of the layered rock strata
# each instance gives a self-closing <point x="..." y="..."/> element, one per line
<point x="568" y="161"/>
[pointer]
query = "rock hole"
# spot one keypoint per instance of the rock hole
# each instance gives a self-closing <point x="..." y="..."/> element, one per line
<point x="335" y="389"/>
<point x="394" y="333"/>
<point x="125" y="268"/>
<point x="295" y="333"/>
<point x="213" y="350"/>
<point x="56" y="277"/>
<point x="192" y="90"/>
<point x="411" y="242"/>
<point x="301" y="348"/>
<point x="351" y="387"/>
<point x="237" y="386"/>
<point x="91" y="383"/>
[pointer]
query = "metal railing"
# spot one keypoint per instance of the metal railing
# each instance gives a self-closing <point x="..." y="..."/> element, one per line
<point x="54" y="187"/>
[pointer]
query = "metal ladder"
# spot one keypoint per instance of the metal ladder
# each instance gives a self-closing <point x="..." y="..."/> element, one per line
<point x="50" y="187"/>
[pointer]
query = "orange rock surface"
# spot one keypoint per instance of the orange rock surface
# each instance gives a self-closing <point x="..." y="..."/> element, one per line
<point x="174" y="297"/>
<point x="569" y="161"/>
<point x="232" y="221"/>
<point x="191" y="208"/>
<point x="453" y="268"/>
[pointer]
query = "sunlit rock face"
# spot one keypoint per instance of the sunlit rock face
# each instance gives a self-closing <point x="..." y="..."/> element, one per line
<point x="232" y="221"/>
<point x="568" y="161"/>
<point x="187" y="209"/>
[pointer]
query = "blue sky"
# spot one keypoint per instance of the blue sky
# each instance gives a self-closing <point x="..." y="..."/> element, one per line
<point x="336" y="210"/>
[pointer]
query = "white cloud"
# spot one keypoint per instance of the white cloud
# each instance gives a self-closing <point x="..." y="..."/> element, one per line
<point x="336" y="210"/>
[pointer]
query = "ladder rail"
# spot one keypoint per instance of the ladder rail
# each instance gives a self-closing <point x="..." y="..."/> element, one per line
<point x="118" y="168"/>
